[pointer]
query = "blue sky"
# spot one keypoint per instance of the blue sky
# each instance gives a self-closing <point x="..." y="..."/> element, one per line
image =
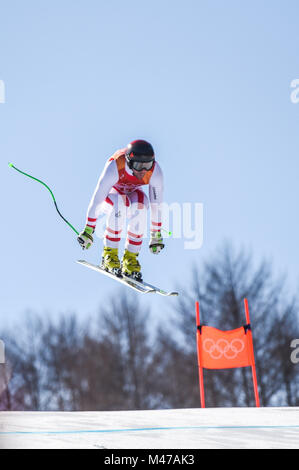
<point x="206" y="82"/>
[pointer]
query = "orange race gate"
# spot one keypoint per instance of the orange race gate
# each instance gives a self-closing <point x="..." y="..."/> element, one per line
<point x="217" y="349"/>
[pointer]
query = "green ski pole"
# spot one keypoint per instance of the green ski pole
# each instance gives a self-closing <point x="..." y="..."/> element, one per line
<point x="39" y="181"/>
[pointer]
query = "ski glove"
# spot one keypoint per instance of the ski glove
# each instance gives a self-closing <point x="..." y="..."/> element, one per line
<point x="156" y="242"/>
<point x="85" y="237"/>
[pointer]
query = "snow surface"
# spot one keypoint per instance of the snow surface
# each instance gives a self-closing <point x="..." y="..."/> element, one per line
<point x="210" y="428"/>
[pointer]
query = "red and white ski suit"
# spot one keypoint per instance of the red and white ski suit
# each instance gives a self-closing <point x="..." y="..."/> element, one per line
<point x="119" y="195"/>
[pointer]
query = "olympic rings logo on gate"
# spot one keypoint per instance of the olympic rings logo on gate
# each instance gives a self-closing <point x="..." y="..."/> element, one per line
<point x="222" y="347"/>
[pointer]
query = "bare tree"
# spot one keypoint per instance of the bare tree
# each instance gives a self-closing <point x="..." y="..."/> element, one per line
<point x="124" y="326"/>
<point x="62" y="357"/>
<point x="23" y="371"/>
<point x="221" y="286"/>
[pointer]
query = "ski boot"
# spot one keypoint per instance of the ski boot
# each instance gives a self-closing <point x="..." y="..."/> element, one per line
<point x="130" y="266"/>
<point x="110" y="261"/>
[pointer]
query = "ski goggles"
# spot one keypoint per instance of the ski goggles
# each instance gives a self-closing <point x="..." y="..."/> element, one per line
<point x="138" y="166"/>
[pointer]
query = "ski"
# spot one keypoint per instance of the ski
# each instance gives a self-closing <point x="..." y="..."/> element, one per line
<point x="155" y="289"/>
<point x="142" y="287"/>
<point x="137" y="286"/>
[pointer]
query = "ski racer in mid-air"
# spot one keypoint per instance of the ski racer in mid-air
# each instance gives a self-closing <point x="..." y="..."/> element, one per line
<point x="118" y="194"/>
